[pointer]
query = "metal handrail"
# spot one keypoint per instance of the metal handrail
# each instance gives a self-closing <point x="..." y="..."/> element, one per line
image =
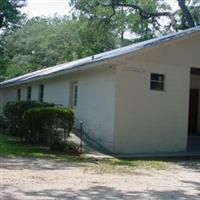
<point x="81" y="133"/>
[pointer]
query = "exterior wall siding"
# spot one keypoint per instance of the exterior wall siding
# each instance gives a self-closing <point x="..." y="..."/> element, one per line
<point x="150" y="121"/>
<point x="155" y="121"/>
<point x="96" y="97"/>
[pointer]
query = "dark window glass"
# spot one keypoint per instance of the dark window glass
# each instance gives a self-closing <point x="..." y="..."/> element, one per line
<point x="41" y="93"/>
<point x="75" y="94"/>
<point x="29" y="90"/>
<point x="157" y="82"/>
<point x="19" y="94"/>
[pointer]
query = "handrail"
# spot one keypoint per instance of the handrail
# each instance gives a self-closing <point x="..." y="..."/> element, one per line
<point x="89" y="138"/>
<point x="81" y="133"/>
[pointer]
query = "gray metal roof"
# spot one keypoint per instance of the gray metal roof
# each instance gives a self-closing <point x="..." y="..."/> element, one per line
<point x="67" y="67"/>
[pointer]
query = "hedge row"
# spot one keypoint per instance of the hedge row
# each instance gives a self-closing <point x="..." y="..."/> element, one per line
<point x="14" y="112"/>
<point x="51" y="125"/>
<point x="39" y="122"/>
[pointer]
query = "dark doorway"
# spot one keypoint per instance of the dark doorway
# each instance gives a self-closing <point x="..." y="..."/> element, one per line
<point x="193" y="112"/>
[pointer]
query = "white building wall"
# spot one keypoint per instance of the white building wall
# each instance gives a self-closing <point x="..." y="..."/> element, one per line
<point x="96" y="100"/>
<point x="155" y="121"/>
<point x="150" y="121"/>
<point x="96" y="97"/>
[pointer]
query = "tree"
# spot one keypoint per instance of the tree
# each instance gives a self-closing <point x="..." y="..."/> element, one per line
<point x="9" y="12"/>
<point x="45" y="42"/>
<point x="186" y="13"/>
<point x="140" y="16"/>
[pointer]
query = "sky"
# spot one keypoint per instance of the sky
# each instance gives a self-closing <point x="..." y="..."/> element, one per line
<point x="46" y="8"/>
<point x="61" y="7"/>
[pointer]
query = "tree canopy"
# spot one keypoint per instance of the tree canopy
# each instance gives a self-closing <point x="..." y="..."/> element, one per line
<point x="9" y="12"/>
<point x="45" y="42"/>
<point x="95" y="26"/>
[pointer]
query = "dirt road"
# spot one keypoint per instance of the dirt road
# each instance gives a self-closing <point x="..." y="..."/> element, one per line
<point x="40" y="179"/>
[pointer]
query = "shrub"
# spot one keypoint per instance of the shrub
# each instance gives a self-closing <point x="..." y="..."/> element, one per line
<point x="49" y="125"/>
<point x="14" y="111"/>
<point x="3" y="123"/>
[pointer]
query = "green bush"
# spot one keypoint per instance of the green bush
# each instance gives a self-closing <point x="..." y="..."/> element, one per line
<point x="3" y="123"/>
<point x="14" y="111"/>
<point x="49" y="125"/>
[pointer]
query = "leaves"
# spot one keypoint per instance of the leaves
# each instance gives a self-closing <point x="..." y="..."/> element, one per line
<point x="9" y="12"/>
<point x="46" y="42"/>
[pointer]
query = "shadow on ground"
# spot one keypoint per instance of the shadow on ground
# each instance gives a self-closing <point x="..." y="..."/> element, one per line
<point x="13" y="192"/>
<point x="102" y="192"/>
<point x="19" y="163"/>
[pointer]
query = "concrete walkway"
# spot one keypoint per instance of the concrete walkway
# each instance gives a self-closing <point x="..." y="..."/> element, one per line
<point x="92" y="149"/>
<point x="89" y="149"/>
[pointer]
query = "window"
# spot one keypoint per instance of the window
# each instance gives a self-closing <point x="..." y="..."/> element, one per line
<point x="157" y="82"/>
<point x="74" y="94"/>
<point x="29" y="89"/>
<point x="19" y="94"/>
<point x="41" y="93"/>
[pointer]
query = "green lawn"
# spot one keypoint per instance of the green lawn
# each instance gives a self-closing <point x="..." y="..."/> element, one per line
<point x="10" y="146"/>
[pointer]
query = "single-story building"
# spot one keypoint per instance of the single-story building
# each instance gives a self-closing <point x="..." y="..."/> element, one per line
<point x="142" y="98"/>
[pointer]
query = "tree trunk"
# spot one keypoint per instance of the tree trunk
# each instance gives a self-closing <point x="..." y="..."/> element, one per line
<point x="186" y="13"/>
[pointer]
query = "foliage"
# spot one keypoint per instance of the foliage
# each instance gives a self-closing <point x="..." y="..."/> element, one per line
<point x="11" y="146"/>
<point x="3" y="123"/>
<point x="9" y="12"/>
<point x="49" y="125"/>
<point x="14" y="111"/>
<point x="45" y="42"/>
<point x="139" y="17"/>
<point x="95" y="26"/>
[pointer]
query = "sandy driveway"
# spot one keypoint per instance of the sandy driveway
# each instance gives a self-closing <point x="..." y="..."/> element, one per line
<point x="43" y="179"/>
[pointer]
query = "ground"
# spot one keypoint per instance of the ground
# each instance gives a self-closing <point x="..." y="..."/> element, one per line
<point x="40" y="179"/>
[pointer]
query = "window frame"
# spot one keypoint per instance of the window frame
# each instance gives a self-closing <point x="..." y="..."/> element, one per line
<point x="29" y="93"/>
<point x="74" y="94"/>
<point x="41" y="92"/>
<point x="19" y="94"/>
<point x="160" y="83"/>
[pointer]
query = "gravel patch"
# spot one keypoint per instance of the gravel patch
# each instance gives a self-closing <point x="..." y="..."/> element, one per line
<point x="40" y="179"/>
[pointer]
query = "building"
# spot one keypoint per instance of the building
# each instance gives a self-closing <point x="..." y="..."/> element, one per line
<point x="143" y="98"/>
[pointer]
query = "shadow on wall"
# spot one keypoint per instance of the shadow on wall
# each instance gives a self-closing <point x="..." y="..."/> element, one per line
<point x="102" y="192"/>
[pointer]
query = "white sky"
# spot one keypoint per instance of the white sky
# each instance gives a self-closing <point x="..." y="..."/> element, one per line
<point x="61" y="7"/>
<point x="46" y="8"/>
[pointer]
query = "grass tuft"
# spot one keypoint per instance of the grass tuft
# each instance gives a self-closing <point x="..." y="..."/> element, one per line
<point x="10" y="146"/>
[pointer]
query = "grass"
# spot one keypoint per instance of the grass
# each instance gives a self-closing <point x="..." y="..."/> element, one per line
<point x="10" y="146"/>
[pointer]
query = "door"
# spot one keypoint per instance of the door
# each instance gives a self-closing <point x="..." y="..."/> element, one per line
<point x="193" y="111"/>
<point x="74" y="94"/>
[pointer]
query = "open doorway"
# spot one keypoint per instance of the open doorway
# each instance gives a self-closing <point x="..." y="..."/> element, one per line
<point x="194" y="111"/>
<point x="194" y="103"/>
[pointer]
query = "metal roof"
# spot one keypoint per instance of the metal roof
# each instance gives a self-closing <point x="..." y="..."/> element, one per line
<point x="67" y="67"/>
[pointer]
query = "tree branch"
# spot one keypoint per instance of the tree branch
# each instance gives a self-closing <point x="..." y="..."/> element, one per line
<point x="143" y="12"/>
<point x="186" y="13"/>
